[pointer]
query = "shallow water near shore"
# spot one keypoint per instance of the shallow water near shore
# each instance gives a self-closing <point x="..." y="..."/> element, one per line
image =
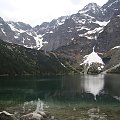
<point x="71" y="97"/>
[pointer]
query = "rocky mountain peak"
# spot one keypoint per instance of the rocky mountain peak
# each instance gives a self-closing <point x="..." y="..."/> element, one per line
<point x="1" y="20"/>
<point x="90" y="7"/>
<point x="110" y="8"/>
<point x="20" y="25"/>
<point x="85" y="24"/>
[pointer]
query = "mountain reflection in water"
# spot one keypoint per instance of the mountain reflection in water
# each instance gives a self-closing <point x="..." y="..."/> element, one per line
<point x="93" y="84"/>
<point x="85" y="87"/>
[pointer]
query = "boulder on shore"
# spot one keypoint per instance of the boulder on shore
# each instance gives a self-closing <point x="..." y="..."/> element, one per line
<point x="6" y="116"/>
<point x="40" y="115"/>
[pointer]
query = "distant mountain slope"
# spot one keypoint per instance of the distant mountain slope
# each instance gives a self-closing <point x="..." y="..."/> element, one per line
<point x="69" y="37"/>
<point x="110" y="37"/>
<point x="18" y="60"/>
<point x="112" y="58"/>
<point x="88" y="23"/>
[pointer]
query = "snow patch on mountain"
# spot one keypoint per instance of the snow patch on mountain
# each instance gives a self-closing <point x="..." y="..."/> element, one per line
<point x="103" y="23"/>
<point x="113" y="3"/>
<point x="61" y="20"/>
<point x="92" y="58"/>
<point x="116" y="47"/>
<point x="3" y="31"/>
<point x="92" y="62"/>
<point x="15" y="29"/>
<point x="90" y="34"/>
<point x="39" y="41"/>
<point x="16" y="37"/>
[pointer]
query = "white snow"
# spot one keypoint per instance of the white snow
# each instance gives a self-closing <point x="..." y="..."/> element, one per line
<point x="28" y="39"/>
<point x="81" y="21"/>
<point x="115" y="47"/>
<point x="51" y="32"/>
<point x="15" y="37"/>
<point x="83" y="11"/>
<point x="38" y="38"/>
<point x="39" y="42"/>
<point x="61" y="21"/>
<point x="16" y="30"/>
<point x="89" y="16"/>
<point x="72" y="39"/>
<point x="23" y="40"/>
<point x="27" y="46"/>
<point x="81" y="35"/>
<point x="92" y="58"/>
<point x="113" y="3"/>
<point x="78" y="29"/>
<point x="104" y="23"/>
<point x="89" y="37"/>
<point x="3" y="31"/>
<point x="83" y="27"/>
<point x="90" y="33"/>
<point x="99" y="30"/>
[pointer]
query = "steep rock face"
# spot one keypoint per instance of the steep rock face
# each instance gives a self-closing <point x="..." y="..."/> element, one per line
<point x="5" y="31"/>
<point x="88" y="22"/>
<point x="92" y="9"/>
<point x="76" y="26"/>
<point x="110" y="37"/>
<point x="112" y="58"/>
<point x="25" y="35"/>
<point x="110" y="8"/>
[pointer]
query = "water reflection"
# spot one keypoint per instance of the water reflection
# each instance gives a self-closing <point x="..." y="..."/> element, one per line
<point x="93" y="83"/>
<point x="84" y="87"/>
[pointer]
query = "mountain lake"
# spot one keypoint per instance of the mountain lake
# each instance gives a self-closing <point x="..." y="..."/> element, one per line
<point x="67" y="97"/>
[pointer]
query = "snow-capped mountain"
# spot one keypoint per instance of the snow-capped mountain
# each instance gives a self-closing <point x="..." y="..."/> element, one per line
<point x="73" y="37"/>
<point x="110" y="36"/>
<point x="86" y="24"/>
<point x="25" y="35"/>
<point x="20" y="33"/>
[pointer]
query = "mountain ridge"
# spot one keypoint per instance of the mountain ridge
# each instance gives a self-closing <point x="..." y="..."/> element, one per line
<point x="60" y="32"/>
<point x="72" y="37"/>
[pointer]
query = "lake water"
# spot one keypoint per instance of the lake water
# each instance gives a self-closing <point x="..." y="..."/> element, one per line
<point x="76" y="94"/>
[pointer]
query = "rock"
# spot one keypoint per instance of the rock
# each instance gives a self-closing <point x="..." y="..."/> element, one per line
<point x="40" y="115"/>
<point x="52" y="117"/>
<point x="95" y="68"/>
<point x="32" y="116"/>
<point x="5" y="116"/>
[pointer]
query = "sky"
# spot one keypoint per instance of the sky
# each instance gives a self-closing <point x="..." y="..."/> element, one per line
<point x="34" y="12"/>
